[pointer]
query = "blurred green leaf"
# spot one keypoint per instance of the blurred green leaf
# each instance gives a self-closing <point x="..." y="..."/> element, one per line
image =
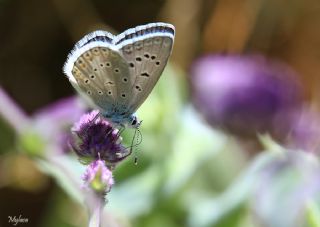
<point x="67" y="173"/>
<point x="63" y="212"/>
<point x="194" y="144"/>
<point x="32" y="144"/>
<point x="139" y="190"/>
<point x="313" y="214"/>
<point x="7" y="137"/>
<point x="209" y="210"/>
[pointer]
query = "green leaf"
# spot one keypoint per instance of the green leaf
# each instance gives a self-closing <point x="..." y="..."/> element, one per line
<point x="32" y="144"/>
<point x="313" y="214"/>
<point x="67" y="173"/>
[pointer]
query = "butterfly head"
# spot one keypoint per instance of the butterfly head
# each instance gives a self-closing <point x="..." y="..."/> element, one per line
<point x="134" y="122"/>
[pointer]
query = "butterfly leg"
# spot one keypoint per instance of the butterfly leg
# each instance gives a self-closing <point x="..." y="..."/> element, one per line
<point x="121" y="129"/>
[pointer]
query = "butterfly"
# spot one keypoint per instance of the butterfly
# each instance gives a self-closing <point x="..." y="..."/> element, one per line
<point x="116" y="73"/>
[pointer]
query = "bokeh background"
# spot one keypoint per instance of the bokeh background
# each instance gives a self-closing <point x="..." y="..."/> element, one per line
<point x="230" y="132"/>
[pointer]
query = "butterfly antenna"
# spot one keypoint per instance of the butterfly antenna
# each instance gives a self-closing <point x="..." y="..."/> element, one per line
<point x="139" y="137"/>
<point x="131" y="146"/>
<point x="138" y="142"/>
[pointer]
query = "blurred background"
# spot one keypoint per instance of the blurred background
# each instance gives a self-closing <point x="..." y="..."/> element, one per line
<point x="230" y="132"/>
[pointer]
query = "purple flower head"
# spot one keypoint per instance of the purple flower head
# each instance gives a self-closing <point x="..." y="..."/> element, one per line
<point x="95" y="138"/>
<point x="98" y="177"/>
<point x="245" y="95"/>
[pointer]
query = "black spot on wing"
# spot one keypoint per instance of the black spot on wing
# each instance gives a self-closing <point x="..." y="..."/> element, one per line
<point x="145" y="74"/>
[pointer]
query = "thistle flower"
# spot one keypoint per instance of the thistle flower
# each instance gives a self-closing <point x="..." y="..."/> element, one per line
<point x="246" y="95"/>
<point x="96" y="139"/>
<point x="98" y="177"/>
<point x="98" y="144"/>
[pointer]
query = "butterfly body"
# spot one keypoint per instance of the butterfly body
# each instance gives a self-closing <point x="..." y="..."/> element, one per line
<point x="117" y="73"/>
<point x="122" y="118"/>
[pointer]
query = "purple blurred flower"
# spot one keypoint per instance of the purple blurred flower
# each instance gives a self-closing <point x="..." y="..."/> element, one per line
<point x="98" y="177"/>
<point x="54" y="121"/>
<point x="245" y="95"/>
<point x="12" y="113"/>
<point x="95" y="138"/>
<point x="305" y="131"/>
<point x="286" y="184"/>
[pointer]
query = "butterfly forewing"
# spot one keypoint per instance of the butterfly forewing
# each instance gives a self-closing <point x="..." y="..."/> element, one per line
<point x="147" y="52"/>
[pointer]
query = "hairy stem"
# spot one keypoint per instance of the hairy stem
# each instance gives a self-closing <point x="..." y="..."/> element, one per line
<point x="96" y="209"/>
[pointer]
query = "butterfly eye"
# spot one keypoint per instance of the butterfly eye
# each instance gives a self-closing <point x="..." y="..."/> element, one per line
<point x="134" y="122"/>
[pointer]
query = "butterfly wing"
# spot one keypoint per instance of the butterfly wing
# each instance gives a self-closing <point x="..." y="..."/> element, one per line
<point x="93" y="68"/>
<point x="146" y="49"/>
<point x="117" y="73"/>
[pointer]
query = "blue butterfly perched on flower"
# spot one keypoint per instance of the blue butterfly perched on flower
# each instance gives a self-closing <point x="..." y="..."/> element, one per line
<point x="117" y="73"/>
